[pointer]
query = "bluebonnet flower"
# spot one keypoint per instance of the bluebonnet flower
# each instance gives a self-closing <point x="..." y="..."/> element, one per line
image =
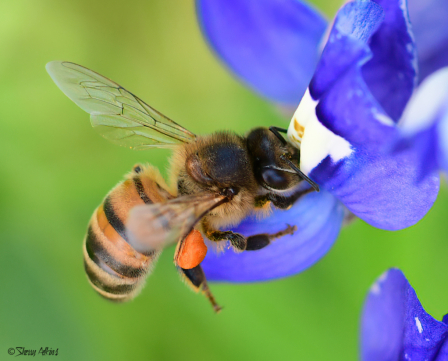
<point x="395" y="326"/>
<point x="345" y="123"/>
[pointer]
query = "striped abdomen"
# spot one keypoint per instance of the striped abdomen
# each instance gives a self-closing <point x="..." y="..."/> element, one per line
<point x="114" y="269"/>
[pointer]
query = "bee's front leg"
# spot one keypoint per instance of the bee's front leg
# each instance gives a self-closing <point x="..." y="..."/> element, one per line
<point x="238" y="241"/>
<point x="260" y="241"/>
<point x="280" y="201"/>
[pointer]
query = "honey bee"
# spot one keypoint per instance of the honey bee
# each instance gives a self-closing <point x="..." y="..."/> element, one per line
<point x="216" y="181"/>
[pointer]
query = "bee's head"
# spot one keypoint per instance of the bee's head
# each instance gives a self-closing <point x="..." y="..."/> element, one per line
<point x="271" y="160"/>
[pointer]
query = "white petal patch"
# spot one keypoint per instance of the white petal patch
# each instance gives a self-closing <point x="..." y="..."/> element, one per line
<point x="376" y="287"/>
<point x="426" y="103"/>
<point x="314" y="140"/>
<point x="384" y="119"/>
<point x="418" y="324"/>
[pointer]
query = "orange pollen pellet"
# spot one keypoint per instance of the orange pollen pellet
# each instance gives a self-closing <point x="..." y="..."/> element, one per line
<point x="193" y="250"/>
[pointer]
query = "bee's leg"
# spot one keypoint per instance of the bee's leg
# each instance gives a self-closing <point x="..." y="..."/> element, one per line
<point x="287" y="202"/>
<point x="260" y="201"/>
<point x="260" y="241"/>
<point x="195" y="278"/>
<point x="238" y="241"/>
<point x="282" y="202"/>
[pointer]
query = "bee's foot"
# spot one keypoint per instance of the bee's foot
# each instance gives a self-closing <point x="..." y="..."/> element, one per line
<point x="288" y="230"/>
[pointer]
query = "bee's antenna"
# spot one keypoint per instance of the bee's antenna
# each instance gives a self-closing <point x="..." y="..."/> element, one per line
<point x="277" y="131"/>
<point x="300" y="173"/>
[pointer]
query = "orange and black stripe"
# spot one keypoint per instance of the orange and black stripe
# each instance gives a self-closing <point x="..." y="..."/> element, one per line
<point x="115" y="270"/>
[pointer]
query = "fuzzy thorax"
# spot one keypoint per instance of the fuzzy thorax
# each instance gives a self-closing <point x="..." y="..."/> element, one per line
<point x="211" y="164"/>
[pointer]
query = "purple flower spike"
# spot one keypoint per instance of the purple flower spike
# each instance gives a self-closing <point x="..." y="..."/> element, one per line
<point x="395" y="326"/>
<point x="347" y="137"/>
<point x="345" y="125"/>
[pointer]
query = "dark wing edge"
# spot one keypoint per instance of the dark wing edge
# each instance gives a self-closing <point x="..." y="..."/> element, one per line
<point x="117" y="114"/>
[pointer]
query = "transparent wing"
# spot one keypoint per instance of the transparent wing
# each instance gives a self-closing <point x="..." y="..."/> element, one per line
<point x="115" y="113"/>
<point x="155" y="226"/>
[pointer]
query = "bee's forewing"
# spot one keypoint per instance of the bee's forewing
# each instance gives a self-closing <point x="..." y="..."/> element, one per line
<point x="117" y="114"/>
<point x="155" y="226"/>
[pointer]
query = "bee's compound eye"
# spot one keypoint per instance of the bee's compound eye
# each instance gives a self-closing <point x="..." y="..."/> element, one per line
<point x="275" y="178"/>
<point x="137" y="168"/>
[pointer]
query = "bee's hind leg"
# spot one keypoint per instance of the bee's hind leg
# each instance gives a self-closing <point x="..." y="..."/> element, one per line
<point x="260" y="241"/>
<point x="195" y="278"/>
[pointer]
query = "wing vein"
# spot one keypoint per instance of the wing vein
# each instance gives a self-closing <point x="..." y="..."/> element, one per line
<point x="102" y="98"/>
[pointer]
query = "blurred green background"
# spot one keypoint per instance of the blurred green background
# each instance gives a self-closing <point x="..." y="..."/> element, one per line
<point x="55" y="171"/>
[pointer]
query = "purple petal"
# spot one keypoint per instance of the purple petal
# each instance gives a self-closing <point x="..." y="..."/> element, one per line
<point x="429" y="155"/>
<point x="272" y="45"/>
<point x="430" y="26"/>
<point x="383" y="318"/>
<point x="391" y="74"/>
<point x="427" y="145"/>
<point x="442" y="355"/>
<point x="425" y="123"/>
<point x="442" y="130"/>
<point x="354" y="25"/>
<point x="318" y="217"/>
<point x="350" y="111"/>
<point x="380" y="188"/>
<point x="395" y="326"/>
